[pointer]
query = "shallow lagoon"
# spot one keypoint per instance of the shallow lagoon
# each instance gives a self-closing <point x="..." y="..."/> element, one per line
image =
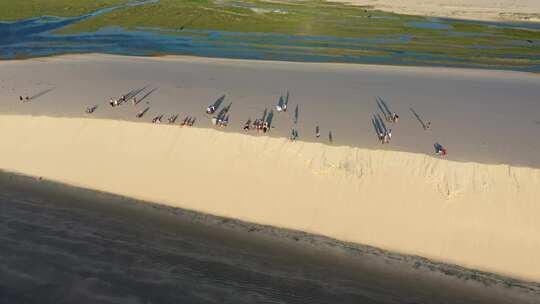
<point x="38" y="37"/>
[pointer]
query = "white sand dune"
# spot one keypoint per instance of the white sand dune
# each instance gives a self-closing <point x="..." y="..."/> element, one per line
<point x="480" y="216"/>
<point x="479" y="208"/>
<point x="489" y="10"/>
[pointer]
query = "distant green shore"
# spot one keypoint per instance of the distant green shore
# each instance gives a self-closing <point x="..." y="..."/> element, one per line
<point x="456" y="41"/>
<point x="12" y="10"/>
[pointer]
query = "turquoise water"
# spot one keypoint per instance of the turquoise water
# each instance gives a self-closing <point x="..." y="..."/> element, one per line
<point x="430" y="25"/>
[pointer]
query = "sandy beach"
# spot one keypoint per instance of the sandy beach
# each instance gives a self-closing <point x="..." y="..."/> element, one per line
<point x="477" y="207"/>
<point x="487" y="10"/>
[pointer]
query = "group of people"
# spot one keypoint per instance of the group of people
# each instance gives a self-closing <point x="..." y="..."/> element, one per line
<point x="440" y="150"/>
<point x="114" y="102"/>
<point x="211" y="109"/>
<point x="393" y="118"/>
<point x="294" y="134"/>
<point x="385" y="136"/>
<point x="157" y="119"/>
<point x="384" y="133"/>
<point x="258" y="125"/>
<point x="132" y="96"/>
<point x="24" y="99"/>
<point x="283" y="103"/>
<point x="221" y="120"/>
<point x="172" y="119"/>
<point x="91" y="109"/>
<point x="261" y="124"/>
<point x="189" y="121"/>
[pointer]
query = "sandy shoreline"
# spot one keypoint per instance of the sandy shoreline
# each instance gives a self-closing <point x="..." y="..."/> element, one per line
<point x="486" y="10"/>
<point x="478" y="208"/>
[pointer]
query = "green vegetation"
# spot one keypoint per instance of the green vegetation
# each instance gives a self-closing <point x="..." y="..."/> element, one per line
<point x="11" y="10"/>
<point x="310" y="18"/>
<point x="465" y="43"/>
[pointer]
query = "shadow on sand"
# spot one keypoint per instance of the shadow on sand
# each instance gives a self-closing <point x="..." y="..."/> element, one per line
<point x="218" y="102"/>
<point x="141" y="113"/>
<point x="269" y="118"/>
<point x="41" y="94"/>
<point x="145" y="95"/>
<point x="384" y="108"/>
<point x="378" y="125"/>
<point x="422" y="123"/>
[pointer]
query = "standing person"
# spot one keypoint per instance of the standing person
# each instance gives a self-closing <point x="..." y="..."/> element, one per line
<point x="317" y="132"/>
<point x="211" y="109"/>
<point x="294" y="134"/>
<point x="185" y="121"/>
<point x="21" y="99"/>
<point x="443" y="152"/>
<point x="381" y="137"/>
<point x="440" y="150"/>
<point x="330" y="137"/>
<point x="247" y="125"/>
<point x="395" y="117"/>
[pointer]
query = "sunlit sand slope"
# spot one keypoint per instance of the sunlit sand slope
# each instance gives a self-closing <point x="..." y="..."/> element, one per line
<point x="476" y="215"/>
